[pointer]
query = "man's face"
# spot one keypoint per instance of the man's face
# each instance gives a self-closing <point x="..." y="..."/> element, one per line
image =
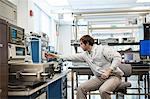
<point x="83" y="46"/>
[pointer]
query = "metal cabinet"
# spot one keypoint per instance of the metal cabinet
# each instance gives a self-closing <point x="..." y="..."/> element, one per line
<point x="146" y="27"/>
<point x="3" y="59"/>
<point x="40" y="94"/>
<point x="36" y="49"/>
<point x="8" y="11"/>
<point x="58" y="89"/>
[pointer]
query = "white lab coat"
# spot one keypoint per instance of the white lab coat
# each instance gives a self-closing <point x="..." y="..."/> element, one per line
<point x="100" y="58"/>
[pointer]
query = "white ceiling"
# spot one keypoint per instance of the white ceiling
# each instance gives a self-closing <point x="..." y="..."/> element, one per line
<point x="105" y="9"/>
<point x="89" y="5"/>
<point x="92" y="4"/>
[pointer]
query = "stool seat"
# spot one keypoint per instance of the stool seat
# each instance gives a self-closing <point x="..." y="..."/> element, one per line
<point x="122" y="87"/>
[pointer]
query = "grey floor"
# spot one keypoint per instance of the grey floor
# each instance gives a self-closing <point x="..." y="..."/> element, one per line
<point x="132" y="79"/>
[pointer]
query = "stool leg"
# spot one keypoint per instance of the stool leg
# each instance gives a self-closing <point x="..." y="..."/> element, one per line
<point x="89" y="92"/>
<point x="145" y="86"/>
<point x="148" y="85"/>
<point x="119" y="96"/>
<point x="89" y="96"/>
<point x="139" y="85"/>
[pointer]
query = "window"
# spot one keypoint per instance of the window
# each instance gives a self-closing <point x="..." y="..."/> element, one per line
<point x="44" y="23"/>
<point x="36" y="19"/>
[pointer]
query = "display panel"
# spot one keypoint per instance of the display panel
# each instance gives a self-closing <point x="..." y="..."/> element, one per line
<point x="14" y="34"/>
<point x="20" y="51"/>
<point x="51" y="49"/>
<point x="128" y="57"/>
<point x="144" y="47"/>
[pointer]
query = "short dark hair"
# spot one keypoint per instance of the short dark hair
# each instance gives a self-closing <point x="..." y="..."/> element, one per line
<point x="87" y="39"/>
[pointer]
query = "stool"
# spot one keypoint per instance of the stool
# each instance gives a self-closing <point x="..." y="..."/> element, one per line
<point x="122" y="88"/>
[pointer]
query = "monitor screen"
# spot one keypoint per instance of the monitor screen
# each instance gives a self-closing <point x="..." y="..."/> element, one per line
<point x="51" y="49"/>
<point x="14" y="34"/>
<point x="144" y="47"/>
<point x="128" y="57"/>
<point x="20" y="51"/>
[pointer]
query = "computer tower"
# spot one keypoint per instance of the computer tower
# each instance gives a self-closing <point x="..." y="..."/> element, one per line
<point x="146" y="27"/>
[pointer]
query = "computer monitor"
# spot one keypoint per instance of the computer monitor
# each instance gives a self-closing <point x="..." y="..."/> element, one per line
<point x="128" y="57"/>
<point x="51" y="49"/>
<point x="144" y="47"/>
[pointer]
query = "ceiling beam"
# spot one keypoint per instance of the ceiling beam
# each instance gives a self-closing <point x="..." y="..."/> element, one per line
<point x="111" y="12"/>
<point x="126" y="27"/>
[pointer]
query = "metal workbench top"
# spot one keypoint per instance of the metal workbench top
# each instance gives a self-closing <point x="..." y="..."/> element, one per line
<point x="31" y="91"/>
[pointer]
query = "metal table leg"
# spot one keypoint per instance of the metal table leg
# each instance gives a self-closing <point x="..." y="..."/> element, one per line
<point x="72" y="83"/>
<point x="145" y="85"/>
<point x="76" y="79"/>
<point x="148" y="85"/>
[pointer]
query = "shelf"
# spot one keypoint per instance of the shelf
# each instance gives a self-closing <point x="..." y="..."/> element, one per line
<point x="113" y="44"/>
<point x="110" y="44"/>
<point x="125" y="27"/>
<point x="127" y="52"/>
<point x="75" y="45"/>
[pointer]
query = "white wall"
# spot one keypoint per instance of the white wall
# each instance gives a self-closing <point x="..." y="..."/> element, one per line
<point x="53" y="32"/>
<point x="23" y="19"/>
<point x="15" y="2"/>
<point x="22" y="15"/>
<point x="27" y="22"/>
<point x="65" y="31"/>
<point x="65" y="34"/>
<point x="46" y="8"/>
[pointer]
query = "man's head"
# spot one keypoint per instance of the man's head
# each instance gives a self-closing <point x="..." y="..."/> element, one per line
<point x="86" y="42"/>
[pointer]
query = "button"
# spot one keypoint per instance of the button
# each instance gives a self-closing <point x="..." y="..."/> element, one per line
<point x="1" y="45"/>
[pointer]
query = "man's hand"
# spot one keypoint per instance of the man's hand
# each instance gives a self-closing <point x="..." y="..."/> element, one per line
<point x="106" y="73"/>
<point x="51" y="55"/>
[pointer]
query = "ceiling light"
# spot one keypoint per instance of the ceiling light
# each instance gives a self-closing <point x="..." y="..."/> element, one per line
<point x="68" y="17"/>
<point x="142" y="1"/>
<point x="141" y="8"/>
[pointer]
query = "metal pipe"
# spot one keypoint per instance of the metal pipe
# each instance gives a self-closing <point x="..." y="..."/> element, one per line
<point x="76" y="28"/>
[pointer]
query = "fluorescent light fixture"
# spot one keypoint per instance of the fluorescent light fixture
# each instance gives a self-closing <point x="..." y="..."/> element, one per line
<point x="62" y="10"/>
<point x="58" y="2"/>
<point x="142" y="1"/>
<point x="141" y="8"/>
<point x="68" y="17"/>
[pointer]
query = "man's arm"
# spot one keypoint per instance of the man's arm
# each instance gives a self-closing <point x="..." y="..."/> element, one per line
<point x="112" y="56"/>
<point x="73" y="57"/>
<point x="51" y="55"/>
